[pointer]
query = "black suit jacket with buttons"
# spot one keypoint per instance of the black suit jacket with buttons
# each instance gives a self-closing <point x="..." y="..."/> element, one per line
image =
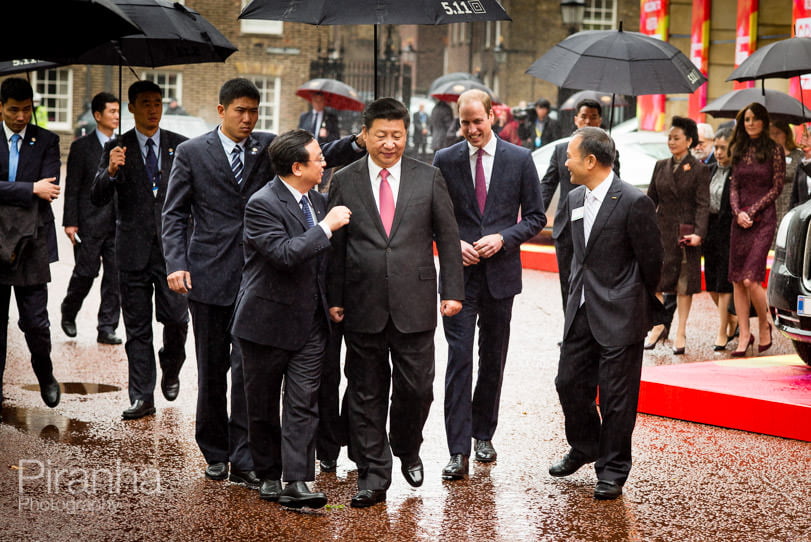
<point x="83" y="164"/>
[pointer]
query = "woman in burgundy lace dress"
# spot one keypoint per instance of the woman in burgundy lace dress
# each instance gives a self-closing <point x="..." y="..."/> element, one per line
<point x="758" y="170"/>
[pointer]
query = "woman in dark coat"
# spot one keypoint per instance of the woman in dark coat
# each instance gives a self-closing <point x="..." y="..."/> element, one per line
<point x="758" y="170"/>
<point x="680" y="189"/>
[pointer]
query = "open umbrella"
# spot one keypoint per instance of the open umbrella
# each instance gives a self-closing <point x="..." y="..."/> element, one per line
<point x="20" y="65"/>
<point x="450" y="91"/>
<point x="603" y="98"/>
<point x="337" y="94"/>
<point x="376" y="12"/>
<point x="454" y="76"/>
<point x="780" y="105"/>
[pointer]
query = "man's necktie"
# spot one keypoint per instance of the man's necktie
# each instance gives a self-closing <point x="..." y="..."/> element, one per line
<point x="152" y="165"/>
<point x="316" y="124"/>
<point x="481" y="184"/>
<point x="386" y="201"/>
<point x="305" y="208"/>
<point x="589" y="212"/>
<point x="13" y="158"/>
<point x="236" y="163"/>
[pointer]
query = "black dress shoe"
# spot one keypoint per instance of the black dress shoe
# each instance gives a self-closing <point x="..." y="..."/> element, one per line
<point x="107" y="337"/>
<point x="368" y="497"/>
<point x="269" y="490"/>
<point x="456" y="469"/>
<point x="607" y="490"/>
<point x="568" y="465"/>
<point x="217" y="470"/>
<point x="247" y="478"/>
<point x="170" y="376"/>
<point x="328" y="465"/>
<point x="69" y="327"/>
<point x="138" y="409"/>
<point x="485" y="453"/>
<point x="298" y="495"/>
<point x="50" y="392"/>
<point x="413" y="472"/>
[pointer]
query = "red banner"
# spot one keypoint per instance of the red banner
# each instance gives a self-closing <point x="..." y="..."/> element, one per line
<point x="699" y="55"/>
<point x="654" y="20"/>
<point x="745" y="35"/>
<point x="802" y="28"/>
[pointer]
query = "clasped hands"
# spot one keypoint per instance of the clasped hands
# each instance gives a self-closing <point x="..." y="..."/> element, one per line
<point x="744" y="220"/>
<point x="486" y="247"/>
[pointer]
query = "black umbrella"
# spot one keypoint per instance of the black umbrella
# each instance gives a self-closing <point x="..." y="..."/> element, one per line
<point x="449" y="77"/>
<point x="33" y="27"/>
<point x="603" y="98"/>
<point x="20" y="65"/>
<point x="783" y="59"/>
<point x="780" y="105"/>
<point x="450" y="91"/>
<point x="376" y="12"/>
<point x="337" y="94"/>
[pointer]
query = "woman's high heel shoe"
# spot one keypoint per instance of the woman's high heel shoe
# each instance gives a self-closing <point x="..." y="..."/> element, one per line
<point x="742" y="353"/>
<point x="763" y="347"/>
<point x="662" y="336"/>
<point x="679" y="351"/>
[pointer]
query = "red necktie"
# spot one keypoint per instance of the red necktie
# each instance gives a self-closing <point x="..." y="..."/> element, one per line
<point x="386" y="201"/>
<point x="481" y="185"/>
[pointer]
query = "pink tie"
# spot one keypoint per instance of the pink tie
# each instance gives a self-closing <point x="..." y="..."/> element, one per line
<point x="481" y="185"/>
<point x="386" y="201"/>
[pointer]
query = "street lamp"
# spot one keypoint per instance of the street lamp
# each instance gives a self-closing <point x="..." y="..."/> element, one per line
<point x="572" y="11"/>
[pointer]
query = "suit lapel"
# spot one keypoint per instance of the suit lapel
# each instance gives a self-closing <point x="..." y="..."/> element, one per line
<point x="288" y="201"/>
<point x="606" y="208"/>
<point x="404" y="193"/>
<point x="367" y="197"/>
<point x="463" y="159"/>
<point x="251" y="156"/>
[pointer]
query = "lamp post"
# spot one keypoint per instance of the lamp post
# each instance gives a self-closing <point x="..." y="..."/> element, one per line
<point x="572" y="11"/>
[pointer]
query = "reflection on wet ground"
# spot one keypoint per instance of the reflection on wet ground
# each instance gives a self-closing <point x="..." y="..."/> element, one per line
<point x="79" y="388"/>
<point x="44" y="422"/>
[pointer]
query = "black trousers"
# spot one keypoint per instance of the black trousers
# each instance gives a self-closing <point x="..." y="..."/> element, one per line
<point x="290" y="443"/>
<point x="332" y="422"/>
<point x="89" y="256"/>
<point x="369" y="378"/>
<point x="171" y="310"/>
<point x="585" y="366"/>
<point x="32" y="306"/>
<point x="220" y="437"/>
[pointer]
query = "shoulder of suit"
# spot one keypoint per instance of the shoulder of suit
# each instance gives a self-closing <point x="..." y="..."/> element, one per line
<point x="173" y="137"/>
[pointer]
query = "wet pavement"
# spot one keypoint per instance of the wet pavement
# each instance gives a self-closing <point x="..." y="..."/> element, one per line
<point x="78" y="472"/>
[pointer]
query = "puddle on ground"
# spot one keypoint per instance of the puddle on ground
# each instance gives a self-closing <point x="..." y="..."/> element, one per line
<point x="46" y="423"/>
<point x="78" y="388"/>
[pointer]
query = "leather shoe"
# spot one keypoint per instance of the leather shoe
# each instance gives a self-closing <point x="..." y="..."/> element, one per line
<point x="50" y="392"/>
<point x="69" y="327"/>
<point x="485" y="453"/>
<point x="269" y="490"/>
<point x="456" y="469"/>
<point x="413" y="472"/>
<point x="368" y="497"/>
<point x="607" y="490"/>
<point x="170" y="377"/>
<point x="217" y="470"/>
<point x="247" y="478"/>
<point x="108" y="337"/>
<point x="328" y="465"/>
<point x="138" y="409"/>
<point x="298" y="495"/>
<point x="568" y="465"/>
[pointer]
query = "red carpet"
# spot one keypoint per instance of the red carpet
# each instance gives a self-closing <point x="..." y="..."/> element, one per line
<point x="770" y="395"/>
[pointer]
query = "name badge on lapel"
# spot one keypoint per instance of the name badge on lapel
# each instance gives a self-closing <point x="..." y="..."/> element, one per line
<point x="577" y="214"/>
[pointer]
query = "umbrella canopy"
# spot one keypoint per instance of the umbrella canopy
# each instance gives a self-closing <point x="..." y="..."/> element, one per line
<point x="604" y="99"/>
<point x="450" y="91"/>
<point x="337" y="95"/>
<point x="780" y="105"/>
<point x="619" y="62"/>
<point x="20" y="65"/>
<point x="448" y="77"/>
<point x="782" y="59"/>
<point x="42" y="23"/>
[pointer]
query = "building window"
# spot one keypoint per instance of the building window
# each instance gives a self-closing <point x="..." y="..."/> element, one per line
<point x="257" y="26"/>
<point x="600" y="15"/>
<point x="269" y="93"/>
<point x="170" y="82"/>
<point x="56" y="88"/>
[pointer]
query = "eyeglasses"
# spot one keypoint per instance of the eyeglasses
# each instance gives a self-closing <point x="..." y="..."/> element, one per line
<point x="319" y="159"/>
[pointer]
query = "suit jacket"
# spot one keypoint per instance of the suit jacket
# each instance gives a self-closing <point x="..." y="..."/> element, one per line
<point x="283" y="283"/>
<point x="619" y="268"/>
<point x="39" y="159"/>
<point x="83" y="163"/>
<point x="138" y="223"/>
<point x="202" y="186"/>
<point x="514" y="190"/>
<point x="375" y="277"/>
<point x="328" y="121"/>
<point x="799" y="189"/>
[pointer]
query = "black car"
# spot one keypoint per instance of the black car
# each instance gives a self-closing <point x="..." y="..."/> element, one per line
<point x="789" y="290"/>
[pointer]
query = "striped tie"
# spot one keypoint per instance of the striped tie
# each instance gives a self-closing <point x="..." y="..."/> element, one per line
<point x="305" y="208"/>
<point x="236" y="163"/>
<point x="589" y="213"/>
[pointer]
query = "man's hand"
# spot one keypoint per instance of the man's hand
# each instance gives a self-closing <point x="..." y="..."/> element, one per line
<point x="117" y="160"/>
<point x="449" y="307"/>
<point x="179" y="282"/>
<point x="692" y="240"/>
<point x="71" y="232"/>
<point x="337" y="217"/>
<point x="360" y="140"/>
<point x="337" y="314"/>
<point x="469" y="254"/>
<point x="46" y="189"/>
<point x="489" y="245"/>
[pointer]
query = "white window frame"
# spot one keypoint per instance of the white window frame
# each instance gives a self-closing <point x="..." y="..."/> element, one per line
<point x="600" y="15"/>
<point x="169" y="90"/>
<point x="64" y="119"/>
<point x="269" y="105"/>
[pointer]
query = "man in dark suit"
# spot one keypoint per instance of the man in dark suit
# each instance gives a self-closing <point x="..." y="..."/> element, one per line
<point x="135" y="169"/>
<point x="539" y="128"/>
<point x="383" y="286"/>
<point x="29" y="182"/>
<point x="91" y="229"/>
<point x="587" y="113"/>
<point x="281" y="318"/>
<point x="615" y="271"/>
<point x="420" y="130"/>
<point x="491" y="183"/>
<point x="801" y="188"/>
<point x="213" y="176"/>
<point x="321" y="123"/>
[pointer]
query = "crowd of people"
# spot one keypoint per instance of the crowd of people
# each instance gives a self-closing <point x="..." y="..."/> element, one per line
<point x="278" y="276"/>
